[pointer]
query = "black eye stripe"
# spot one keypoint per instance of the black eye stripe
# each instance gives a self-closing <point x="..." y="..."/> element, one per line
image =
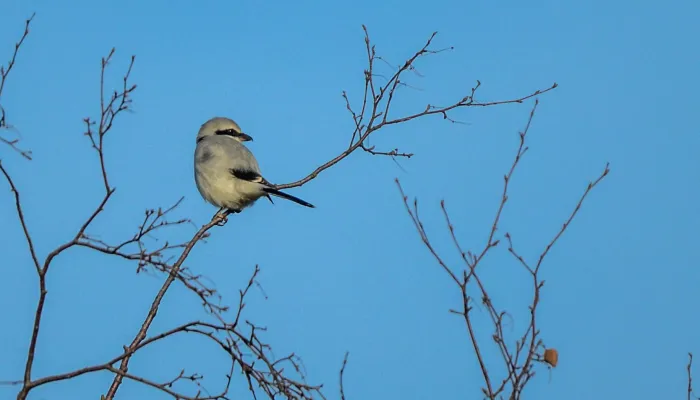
<point x="227" y="132"/>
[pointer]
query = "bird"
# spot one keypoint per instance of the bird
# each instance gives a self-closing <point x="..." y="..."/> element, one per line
<point x="226" y="172"/>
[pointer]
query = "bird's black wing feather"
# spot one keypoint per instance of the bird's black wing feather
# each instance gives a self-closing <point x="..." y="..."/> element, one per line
<point x="251" y="176"/>
<point x="247" y="175"/>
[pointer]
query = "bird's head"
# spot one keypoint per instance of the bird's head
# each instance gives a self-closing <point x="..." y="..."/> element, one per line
<point x="222" y="126"/>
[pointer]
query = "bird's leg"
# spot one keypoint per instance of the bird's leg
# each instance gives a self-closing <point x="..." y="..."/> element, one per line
<point x="222" y="214"/>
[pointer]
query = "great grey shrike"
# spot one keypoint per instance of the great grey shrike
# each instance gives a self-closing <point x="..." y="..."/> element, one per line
<point x="226" y="172"/>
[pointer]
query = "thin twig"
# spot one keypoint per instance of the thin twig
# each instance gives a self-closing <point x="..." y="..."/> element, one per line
<point x="4" y="72"/>
<point x="342" y="373"/>
<point x="689" y="368"/>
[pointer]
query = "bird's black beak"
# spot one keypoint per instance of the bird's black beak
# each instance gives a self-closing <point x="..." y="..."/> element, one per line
<point x="244" y="137"/>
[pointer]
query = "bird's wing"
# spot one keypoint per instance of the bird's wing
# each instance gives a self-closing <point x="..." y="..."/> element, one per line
<point x="249" y="175"/>
<point x="241" y="163"/>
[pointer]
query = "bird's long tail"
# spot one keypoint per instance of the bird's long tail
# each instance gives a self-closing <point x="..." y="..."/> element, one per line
<point x="283" y="195"/>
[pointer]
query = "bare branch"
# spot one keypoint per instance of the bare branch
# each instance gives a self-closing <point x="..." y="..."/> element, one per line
<point x="271" y="378"/>
<point x="342" y="372"/>
<point x="141" y="335"/>
<point x="423" y="235"/>
<point x="4" y="72"/>
<point x="13" y="144"/>
<point x="118" y="102"/>
<point x="518" y="358"/>
<point x="42" y="286"/>
<point x="107" y="120"/>
<point x="590" y="187"/>
<point x="20" y="215"/>
<point x="689" y="368"/>
<point x="376" y="107"/>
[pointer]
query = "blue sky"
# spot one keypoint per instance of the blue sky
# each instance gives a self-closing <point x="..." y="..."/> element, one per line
<point x="352" y="275"/>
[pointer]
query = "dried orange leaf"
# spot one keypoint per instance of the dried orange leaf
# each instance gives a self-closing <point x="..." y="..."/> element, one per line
<point x="551" y="357"/>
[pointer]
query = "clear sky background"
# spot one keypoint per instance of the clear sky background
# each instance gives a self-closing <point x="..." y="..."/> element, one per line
<point x="620" y="303"/>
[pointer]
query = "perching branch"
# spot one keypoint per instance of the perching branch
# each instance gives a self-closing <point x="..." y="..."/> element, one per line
<point x="373" y="114"/>
<point x="141" y="334"/>
<point x="517" y="357"/>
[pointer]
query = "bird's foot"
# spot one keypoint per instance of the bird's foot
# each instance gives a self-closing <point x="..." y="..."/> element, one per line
<point x="223" y="214"/>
